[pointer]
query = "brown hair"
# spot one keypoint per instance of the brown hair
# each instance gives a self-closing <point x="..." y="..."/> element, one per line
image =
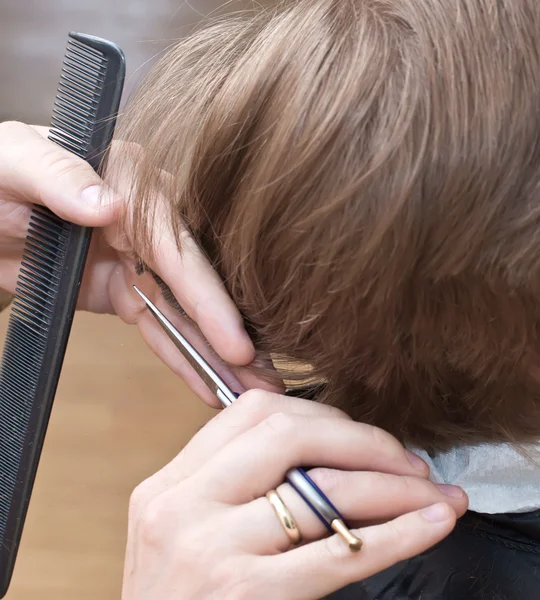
<point x="364" y="175"/>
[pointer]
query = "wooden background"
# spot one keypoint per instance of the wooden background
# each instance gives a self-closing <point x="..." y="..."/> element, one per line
<point x="118" y="417"/>
<point x="119" y="414"/>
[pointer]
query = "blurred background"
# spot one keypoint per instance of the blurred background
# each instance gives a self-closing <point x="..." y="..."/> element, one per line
<point x="33" y="35"/>
<point x="119" y="414"/>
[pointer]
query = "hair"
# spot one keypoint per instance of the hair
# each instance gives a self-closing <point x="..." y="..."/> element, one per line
<point x="364" y="175"/>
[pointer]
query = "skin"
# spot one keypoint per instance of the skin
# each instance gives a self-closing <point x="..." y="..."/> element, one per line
<point x="201" y="527"/>
<point x="35" y="170"/>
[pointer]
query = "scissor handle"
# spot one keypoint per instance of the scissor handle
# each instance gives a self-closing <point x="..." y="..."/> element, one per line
<point x="313" y="496"/>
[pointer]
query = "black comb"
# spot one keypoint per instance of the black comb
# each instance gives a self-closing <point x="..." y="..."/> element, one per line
<point x="48" y="286"/>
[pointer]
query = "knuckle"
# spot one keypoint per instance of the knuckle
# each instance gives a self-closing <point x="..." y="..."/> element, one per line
<point x="184" y="237"/>
<point x="409" y="485"/>
<point x="409" y="490"/>
<point x="155" y="522"/>
<point x="281" y="425"/>
<point x="140" y="496"/>
<point x="383" y="439"/>
<point x="334" y="412"/>
<point x="254" y="405"/>
<point x="12" y="136"/>
<point x="14" y="219"/>
<point x="11" y="128"/>
<point x="375" y="481"/>
<point x="65" y="166"/>
<point x="62" y="163"/>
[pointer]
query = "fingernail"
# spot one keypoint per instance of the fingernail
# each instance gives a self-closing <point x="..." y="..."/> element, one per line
<point x="97" y="196"/>
<point x="436" y="513"/>
<point x="450" y="490"/>
<point x="416" y="461"/>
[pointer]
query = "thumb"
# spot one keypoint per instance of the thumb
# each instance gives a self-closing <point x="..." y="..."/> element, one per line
<point x="34" y="169"/>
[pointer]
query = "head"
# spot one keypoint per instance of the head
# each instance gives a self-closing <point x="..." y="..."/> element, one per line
<point x="365" y="177"/>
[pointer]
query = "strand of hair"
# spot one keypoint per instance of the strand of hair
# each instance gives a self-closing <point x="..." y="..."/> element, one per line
<point x="67" y="145"/>
<point x="78" y="138"/>
<point x="61" y="101"/>
<point x="73" y="125"/>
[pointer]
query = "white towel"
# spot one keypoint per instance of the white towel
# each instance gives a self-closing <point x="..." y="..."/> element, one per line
<point x="496" y="477"/>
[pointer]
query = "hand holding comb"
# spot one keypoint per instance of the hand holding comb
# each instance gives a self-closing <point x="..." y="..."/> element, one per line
<point x="83" y="122"/>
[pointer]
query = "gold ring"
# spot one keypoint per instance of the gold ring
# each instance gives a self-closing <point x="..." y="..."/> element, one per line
<point x="285" y="517"/>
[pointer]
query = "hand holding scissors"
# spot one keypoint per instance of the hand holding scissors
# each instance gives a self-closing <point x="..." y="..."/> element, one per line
<point x="298" y="478"/>
<point x="204" y="526"/>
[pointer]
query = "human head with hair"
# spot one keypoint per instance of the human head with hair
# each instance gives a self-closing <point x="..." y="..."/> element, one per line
<point x="364" y="176"/>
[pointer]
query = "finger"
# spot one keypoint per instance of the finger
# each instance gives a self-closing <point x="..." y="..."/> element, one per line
<point x="361" y="497"/>
<point x="201" y="293"/>
<point x="43" y="131"/>
<point x="14" y="219"/>
<point x="129" y="306"/>
<point x="134" y="306"/>
<point x="247" y="412"/>
<point x="251" y="380"/>
<point x="36" y="170"/>
<point x="258" y="460"/>
<point x="186" y="271"/>
<point x="322" y="567"/>
<point x="94" y="296"/>
<point x="162" y="346"/>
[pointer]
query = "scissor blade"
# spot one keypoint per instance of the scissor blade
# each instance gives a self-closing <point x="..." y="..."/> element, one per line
<point x="217" y="386"/>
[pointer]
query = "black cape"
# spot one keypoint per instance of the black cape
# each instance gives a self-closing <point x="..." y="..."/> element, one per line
<point x="487" y="557"/>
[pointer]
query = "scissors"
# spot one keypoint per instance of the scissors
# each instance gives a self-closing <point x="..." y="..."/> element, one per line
<point x="297" y="478"/>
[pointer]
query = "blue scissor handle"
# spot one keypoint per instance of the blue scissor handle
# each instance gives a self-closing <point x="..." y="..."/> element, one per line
<point x="312" y="495"/>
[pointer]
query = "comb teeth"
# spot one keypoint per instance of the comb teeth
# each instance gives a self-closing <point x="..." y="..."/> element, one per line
<point x="39" y="274"/>
<point x="26" y="339"/>
<point x="77" y="100"/>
